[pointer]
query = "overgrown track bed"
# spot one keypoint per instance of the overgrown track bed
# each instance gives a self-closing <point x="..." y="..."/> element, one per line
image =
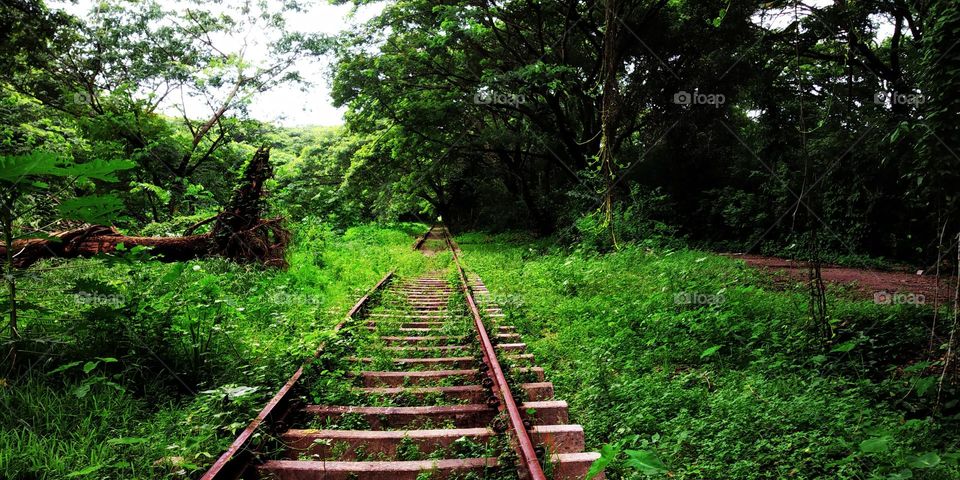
<point x="423" y="381"/>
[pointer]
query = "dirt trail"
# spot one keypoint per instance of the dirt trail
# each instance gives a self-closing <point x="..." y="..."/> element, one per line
<point x="868" y="283"/>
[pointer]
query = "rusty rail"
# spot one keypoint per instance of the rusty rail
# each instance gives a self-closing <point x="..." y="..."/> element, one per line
<point x="238" y="457"/>
<point x="528" y="455"/>
<point x="419" y="241"/>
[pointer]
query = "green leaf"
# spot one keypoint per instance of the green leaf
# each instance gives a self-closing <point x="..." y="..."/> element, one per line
<point x="234" y="392"/>
<point x="161" y="194"/>
<point x="645" y="461"/>
<point x="18" y="168"/>
<point x="105" y="170"/>
<point x="924" y="384"/>
<point x="608" y="453"/>
<point x="917" y="367"/>
<point x="723" y="14"/>
<point x="845" y="347"/>
<point x="901" y="475"/>
<point x="28" y="168"/>
<point x="85" y="471"/>
<point x="126" y="441"/>
<point x="875" y="445"/>
<point x="95" y="209"/>
<point x="89" y="366"/>
<point x="173" y="273"/>
<point x="82" y="390"/>
<point x="62" y="368"/>
<point x="710" y="351"/>
<point x="927" y="460"/>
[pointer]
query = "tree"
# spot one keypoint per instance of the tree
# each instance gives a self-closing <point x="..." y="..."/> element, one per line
<point x="114" y="69"/>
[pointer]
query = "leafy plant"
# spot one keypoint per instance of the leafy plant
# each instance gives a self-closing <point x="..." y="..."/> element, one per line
<point x="38" y="180"/>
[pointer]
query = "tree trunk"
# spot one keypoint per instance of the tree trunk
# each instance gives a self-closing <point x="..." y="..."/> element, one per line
<point x="97" y="239"/>
<point x="611" y="104"/>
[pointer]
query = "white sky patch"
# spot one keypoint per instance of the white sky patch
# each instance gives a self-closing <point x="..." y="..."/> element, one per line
<point x="780" y="18"/>
<point x="287" y="105"/>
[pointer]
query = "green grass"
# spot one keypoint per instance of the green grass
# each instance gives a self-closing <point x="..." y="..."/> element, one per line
<point x="161" y="364"/>
<point x="735" y="386"/>
<point x="169" y="361"/>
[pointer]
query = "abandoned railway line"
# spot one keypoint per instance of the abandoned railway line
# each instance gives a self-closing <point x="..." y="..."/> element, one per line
<point x="423" y="380"/>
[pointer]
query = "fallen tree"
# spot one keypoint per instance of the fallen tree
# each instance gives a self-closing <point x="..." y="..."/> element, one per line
<point x="238" y="233"/>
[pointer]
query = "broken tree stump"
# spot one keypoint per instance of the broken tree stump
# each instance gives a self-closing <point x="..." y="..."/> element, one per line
<point x="239" y="233"/>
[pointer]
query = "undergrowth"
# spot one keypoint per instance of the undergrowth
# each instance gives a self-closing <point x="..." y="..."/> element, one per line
<point x="680" y="364"/>
<point x="142" y="369"/>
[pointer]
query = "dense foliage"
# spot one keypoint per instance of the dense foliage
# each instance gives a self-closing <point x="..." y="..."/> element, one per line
<point x="615" y="135"/>
<point x="149" y="369"/>
<point x="696" y="360"/>
<point x="758" y="122"/>
<point x="747" y="125"/>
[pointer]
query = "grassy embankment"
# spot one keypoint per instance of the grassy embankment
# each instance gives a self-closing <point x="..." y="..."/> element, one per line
<point x="693" y="360"/>
<point x="150" y="368"/>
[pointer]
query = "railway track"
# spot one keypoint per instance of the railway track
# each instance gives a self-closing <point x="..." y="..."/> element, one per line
<point x="423" y="380"/>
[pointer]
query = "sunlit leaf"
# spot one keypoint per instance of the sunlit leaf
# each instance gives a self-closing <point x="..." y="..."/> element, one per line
<point x="710" y="351"/>
<point x="875" y="445"/>
<point x="84" y="471"/>
<point x="95" y="209"/>
<point x="644" y="461"/>
<point x="89" y="366"/>
<point x="126" y="441"/>
<point x="927" y="460"/>
<point x="845" y="347"/>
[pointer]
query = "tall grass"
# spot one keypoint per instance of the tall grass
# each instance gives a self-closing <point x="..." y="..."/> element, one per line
<point x="685" y="364"/>
<point x="161" y="364"/>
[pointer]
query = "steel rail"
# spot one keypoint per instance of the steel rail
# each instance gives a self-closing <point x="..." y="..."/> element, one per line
<point x="232" y="464"/>
<point x="420" y="240"/>
<point x="526" y="449"/>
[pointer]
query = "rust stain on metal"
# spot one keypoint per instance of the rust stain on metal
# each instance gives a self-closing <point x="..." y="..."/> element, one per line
<point x="525" y="446"/>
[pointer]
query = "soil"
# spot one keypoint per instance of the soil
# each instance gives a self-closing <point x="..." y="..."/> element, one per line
<point x="865" y="283"/>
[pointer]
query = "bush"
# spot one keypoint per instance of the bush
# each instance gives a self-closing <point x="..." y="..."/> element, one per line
<point x="635" y="221"/>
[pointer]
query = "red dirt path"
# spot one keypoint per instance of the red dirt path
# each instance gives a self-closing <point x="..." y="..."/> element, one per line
<point x="866" y="282"/>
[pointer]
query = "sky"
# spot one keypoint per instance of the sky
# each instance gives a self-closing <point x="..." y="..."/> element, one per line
<point x="286" y="105"/>
<point x="290" y="106"/>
